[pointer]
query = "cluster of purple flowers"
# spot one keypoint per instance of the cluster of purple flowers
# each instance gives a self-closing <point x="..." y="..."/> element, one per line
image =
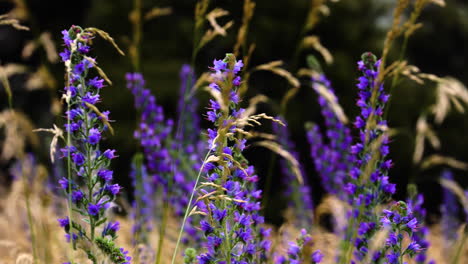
<point x="228" y="197"/>
<point x="299" y="195"/>
<point x="188" y="129"/>
<point x="373" y="140"/>
<point x="190" y="147"/>
<point x="331" y="162"/>
<point x="171" y="160"/>
<point x="415" y="205"/>
<point x="368" y="184"/>
<point x="398" y="221"/>
<point x="295" y="252"/>
<point x="91" y="191"/>
<point x="153" y="131"/>
<point x="450" y="211"/>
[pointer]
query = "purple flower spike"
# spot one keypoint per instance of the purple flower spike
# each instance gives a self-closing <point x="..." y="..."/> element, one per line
<point x="165" y="145"/>
<point x="368" y="185"/>
<point x="93" y="191"/>
<point x="299" y="194"/>
<point x="234" y="209"/>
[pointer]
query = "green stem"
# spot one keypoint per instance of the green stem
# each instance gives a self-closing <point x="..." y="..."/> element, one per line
<point x="88" y="172"/>
<point x="137" y="35"/>
<point x="197" y="30"/>
<point x="69" y="176"/>
<point x="395" y="78"/>
<point x="187" y="211"/>
<point x="162" y="231"/>
<point x="228" y="243"/>
<point x="165" y="216"/>
<point x="348" y="247"/>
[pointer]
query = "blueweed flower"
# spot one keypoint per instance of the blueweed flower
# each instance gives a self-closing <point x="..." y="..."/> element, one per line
<point x="415" y="205"/>
<point x="400" y="221"/>
<point x="227" y="197"/>
<point x="188" y="147"/>
<point x="331" y="162"/>
<point x="317" y="257"/>
<point x="153" y="130"/>
<point x="296" y="251"/>
<point x="299" y="195"/>
<point x="450" y="211"/>
<point x="93" y="191"/>
<point x="368" y="184"/>
<point x="187" y="108"/>
<point x="171" y="161"/>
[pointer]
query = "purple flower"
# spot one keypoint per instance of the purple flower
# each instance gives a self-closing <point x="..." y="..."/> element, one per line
<point x="413" y="224"/>
<point x="392" y="239"/>
<point x="77" y="196"/>
<point x="234" y="97"/>
<point x="219" y="65"/>
<point x="127" y="258"/>
<point x="212" y="116"/>
<point x="113" y="189"/>
<point x="293" y="249"/>
<point x="317" y="256"/>
<point x="90" y="98"/>
<point x="64" y="222"/>
<point x="94" y="209"/>
<point x="79" y="68"/>
<point x="63" y="183"/>
<point x="73" y="113"/>
<point x="393" y="257"/>
<point x="105" y="175"/>
<point x="68" y="237"/>
<point x="414" y="247"/>
<point x="78" y="158"/>
<point x="204" y="258"/>
<point x="109" y="154"/>
<point x="66" y="38"/>
<point x="83" y="48"/>
<point x="111" y="228"/>
<point x="236" y="81"/>
<point x="94" y="136"/>
<point x="96" y="82"/>
<point x="65" y="55"/>
<point x="237" y="66"/>
<point x="72" y="89"/>
<point x="219" y="214"/>
<point x="206" y="227"/>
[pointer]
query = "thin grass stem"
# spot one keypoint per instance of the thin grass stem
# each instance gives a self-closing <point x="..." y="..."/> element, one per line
<point x="187" y="211"/>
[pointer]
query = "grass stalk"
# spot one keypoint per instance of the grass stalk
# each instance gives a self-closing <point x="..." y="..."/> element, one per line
<point x="187" y="211"/>
<point x="29" y="214"/>
<point x="461" y="246"/>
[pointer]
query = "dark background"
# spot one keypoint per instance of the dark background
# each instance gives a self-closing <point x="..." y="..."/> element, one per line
<point x="352" y="28"/>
